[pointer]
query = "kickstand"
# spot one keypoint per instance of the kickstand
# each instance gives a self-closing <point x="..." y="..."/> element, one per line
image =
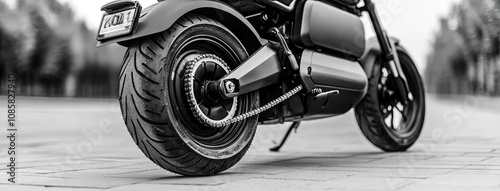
<point x="295" y="126"/>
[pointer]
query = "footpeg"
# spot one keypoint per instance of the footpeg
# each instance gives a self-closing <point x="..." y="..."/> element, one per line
<point x="326" y="94"/>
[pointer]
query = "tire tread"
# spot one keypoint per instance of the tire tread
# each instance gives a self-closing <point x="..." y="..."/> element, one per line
<point x="140" y="98"/>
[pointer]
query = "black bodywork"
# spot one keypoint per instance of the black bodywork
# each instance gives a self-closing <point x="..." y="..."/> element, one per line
<point x="326" y="38"/>
<point x="330" y="42"/>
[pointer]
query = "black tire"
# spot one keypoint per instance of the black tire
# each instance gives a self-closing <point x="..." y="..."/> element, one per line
<point x="154" y="104"/>
<point x="372" y="112"/>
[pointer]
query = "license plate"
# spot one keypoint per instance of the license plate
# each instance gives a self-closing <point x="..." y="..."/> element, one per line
<point x="118" y="24"/>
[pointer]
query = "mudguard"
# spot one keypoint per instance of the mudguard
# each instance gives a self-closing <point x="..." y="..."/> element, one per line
<point x="372" y="54"/>
<point x="162" y="15"/>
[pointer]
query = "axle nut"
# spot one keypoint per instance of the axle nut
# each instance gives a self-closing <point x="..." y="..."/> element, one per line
<point x="230" y="87"/>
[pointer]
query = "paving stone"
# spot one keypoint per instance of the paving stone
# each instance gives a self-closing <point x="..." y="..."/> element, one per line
<point x="432" y="153"/>
<point x="456" y="160"/>
<point x="475" y="172"/>
<point x="464" y="179"/>
<point x="262" y="184"/>
<point x="415" y="155"/>
<point x="319" y="157"/>
<point x="51" y="169"/>
<point x="83" y="182"/>
<point x="421" y="187"/>
<point x="312" y="175"/>
<point x="495" y="161"/>
<point x="395" y="172"/>
<point x="404" y="173"/>
<point x="323" y="161"/>
<point x="364" y="183"/>
<point x="343" y="168"/>
<point x="39" y="188"/>
<point x="211" y="180"/>
<point x="470" y="159"/>
<point x="261" y="169"/>
<point x="62" y="166"/>
<point x="151" y="174"/>
<point x="374" y="155"/>
<point x="438" y="166"/>
<point x="460" y="148"/>
<point x="140" y="186"/>
<point x="482" y="167"/>
<point x="266" y="159"/>
<point x="109" y="172"/>
<point x="482" y="154"/>
<point x="139" y="165"/>
<point x="399" y="161"/>
<point x="496" y="151"/>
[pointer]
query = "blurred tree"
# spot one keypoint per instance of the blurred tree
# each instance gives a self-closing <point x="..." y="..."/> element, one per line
<point x="54" y="71"/>
<point x="479" y="27"/>
<point x="43" y="38"/>
<point x="3" y="7"/>
<point x="448" y="55"/>
<point x="7" y="56"/>
<point x="54" y="54"/>
<point x="7" y="47"/>
<point x="472" y="53"/>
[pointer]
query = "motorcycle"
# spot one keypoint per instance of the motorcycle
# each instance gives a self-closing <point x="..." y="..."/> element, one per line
<point x="200" y="75"/>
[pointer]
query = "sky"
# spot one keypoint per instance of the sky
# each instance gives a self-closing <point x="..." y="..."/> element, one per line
<point x="413" y="21"/>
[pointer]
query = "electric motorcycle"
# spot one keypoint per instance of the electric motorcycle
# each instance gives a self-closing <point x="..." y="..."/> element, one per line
<point x="200" y="75"/>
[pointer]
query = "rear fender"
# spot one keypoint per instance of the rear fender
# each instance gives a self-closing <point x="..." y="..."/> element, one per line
<point x="372" y="54"/>
<point x="162" y="15"/>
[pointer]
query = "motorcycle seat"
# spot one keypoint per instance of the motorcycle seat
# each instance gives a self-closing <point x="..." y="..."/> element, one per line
<point x="347" y="2"/>
<point x="245" y="7"/>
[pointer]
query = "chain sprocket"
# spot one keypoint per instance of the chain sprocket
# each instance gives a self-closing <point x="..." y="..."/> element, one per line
<point x="201" y="117"/>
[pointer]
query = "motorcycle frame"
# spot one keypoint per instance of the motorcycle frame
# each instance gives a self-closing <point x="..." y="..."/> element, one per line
<point x="387" y="51"/>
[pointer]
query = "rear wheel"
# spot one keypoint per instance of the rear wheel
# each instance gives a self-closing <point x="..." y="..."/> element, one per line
<point x="383" y="119"/>
<point x="164" y="118"/>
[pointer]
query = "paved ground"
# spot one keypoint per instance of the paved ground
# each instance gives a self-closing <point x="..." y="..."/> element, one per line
<point x="63" y="145"/>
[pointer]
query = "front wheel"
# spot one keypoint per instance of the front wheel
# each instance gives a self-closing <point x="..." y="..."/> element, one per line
<point x="164" y="101"/>
<point x="383" y="119"/>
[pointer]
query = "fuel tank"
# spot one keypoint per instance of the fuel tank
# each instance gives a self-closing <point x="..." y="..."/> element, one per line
<point x="321" y="24"/>
<point x="328" y="73"/>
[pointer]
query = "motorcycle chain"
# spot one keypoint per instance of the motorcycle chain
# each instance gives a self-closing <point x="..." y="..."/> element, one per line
<point x="188" y="87"/>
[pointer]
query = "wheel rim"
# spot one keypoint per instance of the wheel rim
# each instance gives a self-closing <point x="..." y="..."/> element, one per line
<point x="212" y="142"/>
<point x="399" y="119"/>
